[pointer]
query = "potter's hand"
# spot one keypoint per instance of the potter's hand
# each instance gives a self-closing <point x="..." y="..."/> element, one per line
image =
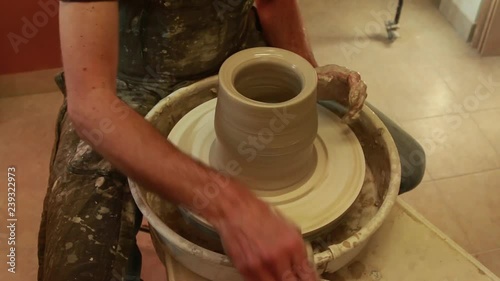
<point x="262" y="244"/>
<point x="343" y="86"/>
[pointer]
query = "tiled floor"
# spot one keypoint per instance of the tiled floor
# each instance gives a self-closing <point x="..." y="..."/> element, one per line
<point x="429" y="81"/>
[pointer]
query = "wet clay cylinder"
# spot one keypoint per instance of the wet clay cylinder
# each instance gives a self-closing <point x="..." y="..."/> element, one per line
<point x="266" y="119"/>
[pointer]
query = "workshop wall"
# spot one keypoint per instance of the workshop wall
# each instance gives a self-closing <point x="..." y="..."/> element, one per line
<point x="461" y="14"/>
<point x="29" y="36"/>
<point x="469" y="8"/>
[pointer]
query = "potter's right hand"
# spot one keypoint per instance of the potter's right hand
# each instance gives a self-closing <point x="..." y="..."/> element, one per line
<point x="262" y="244"/>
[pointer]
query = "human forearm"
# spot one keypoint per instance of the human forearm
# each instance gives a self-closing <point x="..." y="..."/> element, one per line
<point x="130" y="143"/>
<point x="283" y="27"/>
<point x="138" y="150"/>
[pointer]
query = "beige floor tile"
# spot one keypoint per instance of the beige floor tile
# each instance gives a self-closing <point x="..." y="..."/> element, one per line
<point x="491" y="260"/>
<point x="474" y="201"/>
<point x="361" y="39"/>
<point x="464" y="208"/>
<point x="24" y="265"/>
<point x="427" y="176"/>
<point x="428" y="200"/>
<point x="29" y="105"/>
<point x="402" y="77"/>
<point x="488" y="123"/>
<point x="473" y="80"/>
<point x="28" y="83"/>
<point x="493" y="63"/>
<point x="454" y="145"/>
<point x="26" y="144"/>
<point x="152" y="268"/>
<point x="377" y="97"/>
<point x="414" y="92"/>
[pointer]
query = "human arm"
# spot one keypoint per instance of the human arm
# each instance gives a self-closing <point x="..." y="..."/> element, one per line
<point x="283" y="27"/>
<point x="263" y="246"/>
<point x="89" y="41"/>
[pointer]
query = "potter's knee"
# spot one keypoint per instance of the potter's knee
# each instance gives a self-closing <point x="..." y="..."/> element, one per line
<point x="412" y="167"/>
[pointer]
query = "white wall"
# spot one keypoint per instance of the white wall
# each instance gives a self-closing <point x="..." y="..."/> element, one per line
<point x="461" y="14"/>
<point x="469" y="8"/>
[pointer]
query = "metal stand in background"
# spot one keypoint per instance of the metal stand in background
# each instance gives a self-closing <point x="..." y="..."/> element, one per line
<point x="393" y="26"/>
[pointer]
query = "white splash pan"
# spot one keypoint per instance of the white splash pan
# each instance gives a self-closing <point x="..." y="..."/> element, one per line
<point x="332" y="250"/>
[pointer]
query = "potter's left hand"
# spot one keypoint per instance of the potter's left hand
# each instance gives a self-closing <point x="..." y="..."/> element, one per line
<point x="343" y="86"/>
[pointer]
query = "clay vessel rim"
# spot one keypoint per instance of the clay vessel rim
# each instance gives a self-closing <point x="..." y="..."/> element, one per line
<point x="284" y="58"/>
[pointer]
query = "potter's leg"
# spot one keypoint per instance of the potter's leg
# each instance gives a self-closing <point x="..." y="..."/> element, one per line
<point x="89" y="218"/>
<point x="411" y="153"/>
<point x="89" y="221"/>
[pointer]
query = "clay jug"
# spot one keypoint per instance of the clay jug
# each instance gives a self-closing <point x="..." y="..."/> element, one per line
<point x="266" y="118"/>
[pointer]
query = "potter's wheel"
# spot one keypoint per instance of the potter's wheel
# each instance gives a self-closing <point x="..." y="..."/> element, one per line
<point x="314" y="203"/>
<point x="181" y="239"/>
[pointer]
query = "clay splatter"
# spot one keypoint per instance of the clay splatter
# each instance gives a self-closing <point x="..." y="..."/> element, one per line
<point x="376" y="275"/>
<point x="356" y="269"/>
<point x="91" y="238"/>
<point x="56" y="183"/>
<point x="76" y="220"/>
<point x="72" y="258"/>
<point x="79" y="221"/>
<point x="103" y="210"/>
<point x="99" y="182"/>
